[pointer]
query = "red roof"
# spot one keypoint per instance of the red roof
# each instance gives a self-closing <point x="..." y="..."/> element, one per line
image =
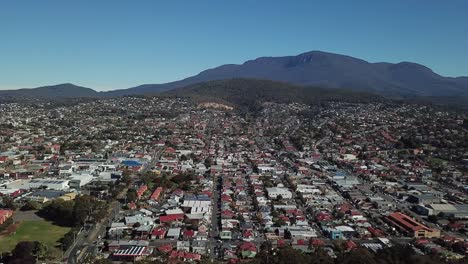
<point x="156" y="194"/>
<point x="226" y="198"/>
<point x="170" y="150"/>
<point x="350" y="245"/>
<point x="248" y="246"/>
<point x="317" y="242"/>
<point x="176" y="254"/>
<point x="141" y="190"/>
<point x="323" y="217"/>
<point x="281" y="243"/>
<point x="227" y="213"/>
<point x="247" y="233"/>
<point x="192" y="256"/>
<point x="188" y="233"/>
<point x="405" y="222"/>
<point x="159" y="232"/>
<point x="301" y="242"/>
<point x="374" y="231"/>
<point x="171" y="218"/>
<point x="165" y="248"/>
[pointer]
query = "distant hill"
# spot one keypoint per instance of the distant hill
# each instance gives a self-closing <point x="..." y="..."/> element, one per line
<point x="60" y="91"/>
<point x="250" y="93"/>
<point x="311" y="69"/>
<point x="321" y="69"/>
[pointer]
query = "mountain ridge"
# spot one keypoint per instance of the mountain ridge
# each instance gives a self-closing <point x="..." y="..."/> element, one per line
<point x="314" y="68"/>
<point x="330" y="70"/>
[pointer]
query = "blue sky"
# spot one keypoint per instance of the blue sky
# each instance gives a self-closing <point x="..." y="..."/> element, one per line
<point x="111" y="44"/>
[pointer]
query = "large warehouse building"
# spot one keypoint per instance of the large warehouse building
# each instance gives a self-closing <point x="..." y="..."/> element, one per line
<point x="410" y="227"/>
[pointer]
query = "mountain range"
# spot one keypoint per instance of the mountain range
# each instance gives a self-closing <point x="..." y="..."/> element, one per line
<point x="315" y="68"/>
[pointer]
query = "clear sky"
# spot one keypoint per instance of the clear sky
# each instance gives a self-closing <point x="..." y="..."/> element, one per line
<point x="110" y="44"/>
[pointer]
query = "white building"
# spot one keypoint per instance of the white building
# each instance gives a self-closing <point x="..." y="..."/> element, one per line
<point x="79" y="180"/>
<point x="310" y="189"/>
<point x="274" y="192"/>
<point x="143" y="220"/>
<point x="51" y="184"/>
<point x="173" y="233"/>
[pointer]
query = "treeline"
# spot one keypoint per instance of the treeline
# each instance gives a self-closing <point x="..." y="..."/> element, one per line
<point x="398" y="254"/>
<point x="74" y="212"/>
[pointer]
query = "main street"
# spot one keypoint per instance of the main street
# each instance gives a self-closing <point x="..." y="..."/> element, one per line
<point x="215" y="221"/>
<point x="84" y="243"/>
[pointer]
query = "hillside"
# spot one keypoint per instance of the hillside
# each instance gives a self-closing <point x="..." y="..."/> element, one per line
<point x="60" y="91"/>
<point x="322" y="69"/>
<point x="250" y="93"/>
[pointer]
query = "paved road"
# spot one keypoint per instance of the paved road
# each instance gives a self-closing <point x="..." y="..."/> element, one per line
<point x="215" y="222"/>
<point x="152" y="162"/>
<point x="73" y="251"/>
<point x="85" y="240"/>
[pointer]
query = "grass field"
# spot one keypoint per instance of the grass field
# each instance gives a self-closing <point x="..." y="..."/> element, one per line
<point x="42" y="231"/>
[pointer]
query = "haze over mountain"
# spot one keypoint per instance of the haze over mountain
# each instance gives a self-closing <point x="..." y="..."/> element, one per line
<point x="316" y="68"/>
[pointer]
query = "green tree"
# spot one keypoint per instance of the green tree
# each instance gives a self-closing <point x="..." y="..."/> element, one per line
<point x="28" y="252"/>
<point x="94" y="260"/>
<point x="131" y="195"/>
<point x="279" y="222"/>
<point x="404" y="254"/>
<point x="357" y="256"/>
<point x="286" y="255"/>
<point x="68" y="239"/>
<point x="82" y="209"/>
<point x="8" y="202"/>
<point x="30" y="205"/>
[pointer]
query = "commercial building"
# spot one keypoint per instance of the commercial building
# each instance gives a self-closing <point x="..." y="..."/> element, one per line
<point x="410" y="227"/>
<point x="458" y="211"/>
<point x="79" y="180"/>
<point x="52" y="184"/>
